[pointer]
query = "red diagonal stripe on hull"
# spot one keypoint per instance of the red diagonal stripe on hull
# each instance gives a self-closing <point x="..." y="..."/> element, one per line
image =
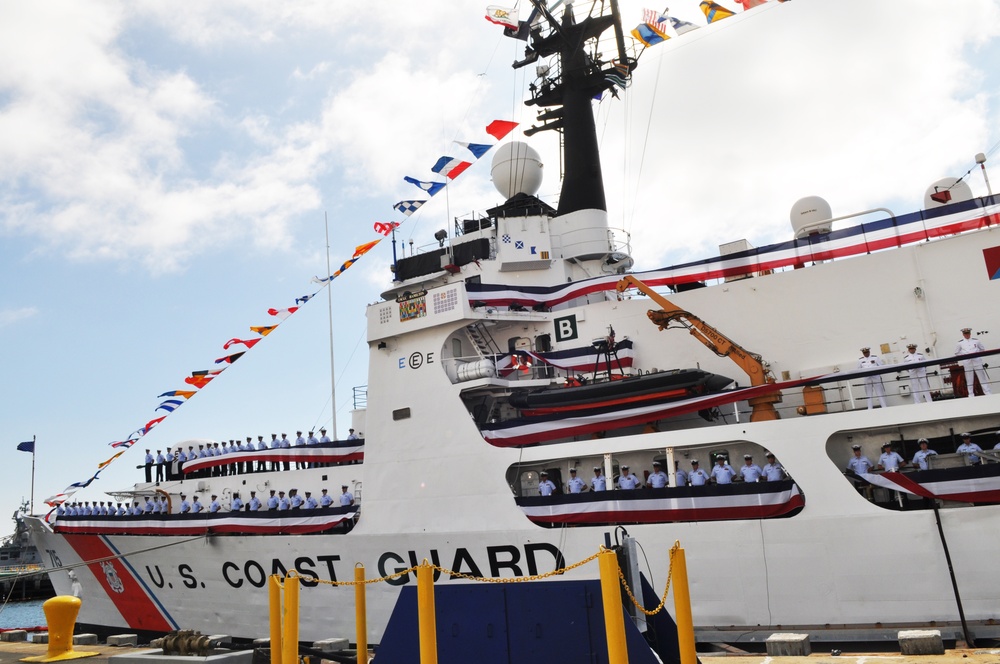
<point x="133" y="603"/>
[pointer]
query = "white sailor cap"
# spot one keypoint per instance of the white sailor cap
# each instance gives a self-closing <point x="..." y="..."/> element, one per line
<point x="966" y="329"/>
<point x="923" y="441"/>
<point x="965" y="434"/>
<point x="656" y="463"/>
<point x="572" y="470"/>
<point x="864" y="348"/>
<point x="597" y="468"/>
<point x="911" y="345"/>
<point x="747" y="456"/>
<point x="887" y="443"/>
<point x="694" y="462"/>
<point x="544" y="473"/>
<point x="855" y="447"/>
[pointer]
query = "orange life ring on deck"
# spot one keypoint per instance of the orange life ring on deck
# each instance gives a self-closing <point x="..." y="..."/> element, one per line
<point x="169" y="506"/>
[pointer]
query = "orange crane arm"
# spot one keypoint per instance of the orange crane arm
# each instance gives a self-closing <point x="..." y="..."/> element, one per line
<point x="715" y="341"/>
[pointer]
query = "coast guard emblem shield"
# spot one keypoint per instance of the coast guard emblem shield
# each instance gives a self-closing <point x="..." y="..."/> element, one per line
<point x="112" y="577"/>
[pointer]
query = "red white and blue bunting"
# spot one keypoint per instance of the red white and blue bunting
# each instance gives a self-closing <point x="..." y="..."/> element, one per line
<point x="969" y="484"/>
<point x="339" y="452"/>
<point x="270" y="522"/>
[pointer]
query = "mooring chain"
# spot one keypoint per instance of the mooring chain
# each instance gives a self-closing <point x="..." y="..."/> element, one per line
<point x="663" y="599"/>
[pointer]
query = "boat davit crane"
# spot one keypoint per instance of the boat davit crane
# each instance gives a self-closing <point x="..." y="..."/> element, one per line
<point x="751" y="363"/>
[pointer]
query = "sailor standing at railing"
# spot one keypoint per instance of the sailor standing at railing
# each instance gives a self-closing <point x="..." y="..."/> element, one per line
<point x="919" y="387"/>
<point x="890" y="461"/>
<point x="545" y="486"/>
<point x="658" y="478"/>
<point x="873" y="384"/>
<point x="697" y="476"/>
<point x="722" y="472"/>
<point x="773" y="470"/>
<point x="575" y="484"/>
<point x="968" y="447"/>
<point x="920" y="458"/>
<point x="974" y="367"/>
<point x="254" y="504"/>
<point x="598" y="481"/>
<point x="628" y="480"/>
<point x="235" y="505"/>
<point x="749" y="471"/>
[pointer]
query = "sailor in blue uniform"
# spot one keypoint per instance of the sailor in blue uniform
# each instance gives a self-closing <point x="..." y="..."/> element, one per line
<point x="325" y="500"/>
<point x="346" y="497"/>
<point x="628" y="480"/>
<point x="272" y="501"/>
<point x="236" y="504"/>
<point x="920" y="458"/>
<point x="149" y="466"/>
<point x="294" y="499"/>
<point x="890" y="461"/>
<point x="277" y="445"/>
<point x="722" y="472"/>
<point x="697" y="476"/>
<point x="310" y="503"/>
<point x="283" y="503"/>
<point x="214" y="506"/>
<point x="254" y="503"/>
<point x="859" y="463"/>
<point x="160" y="461"/>
<point x="598" y="481"/>
<point x="545" y="485"/>
<point x="749" y="471"/>
<point x="680" y="475"/>
<point x="575" y="484"/>
<point x="773" y="470"/>
<point x="967" y="447"/>
<point x="351" y="435"/>
<point x="657" y="479"/>
<point x="196" y="506"/>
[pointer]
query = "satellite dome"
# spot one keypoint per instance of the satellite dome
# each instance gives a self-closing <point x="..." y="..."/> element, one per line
<point x="516" y="169"/>
<point x="810" y="215"/>
<point x="957" y="191"/>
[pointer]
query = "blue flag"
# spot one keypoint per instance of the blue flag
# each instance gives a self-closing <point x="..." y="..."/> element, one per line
<point x="27" y="446"/>
<point x="430" y="187"/>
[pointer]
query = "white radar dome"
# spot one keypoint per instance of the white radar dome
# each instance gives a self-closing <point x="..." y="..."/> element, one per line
<point x="946" y="191"/>
<point x="516" y="169"/>
<point x="811" y="214"/>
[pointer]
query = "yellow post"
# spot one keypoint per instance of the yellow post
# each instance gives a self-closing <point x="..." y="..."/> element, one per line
<point x="614" y="618"/>
<point x="425" y="614"/>
<point x="290" y="638"/>
<point x="682" y="607"/>
<point x="60" y="616"/>
<point x="361" y="613"/>
<point x="274" y="602"/>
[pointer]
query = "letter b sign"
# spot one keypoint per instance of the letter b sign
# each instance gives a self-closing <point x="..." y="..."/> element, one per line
<point x="565" y="328"/>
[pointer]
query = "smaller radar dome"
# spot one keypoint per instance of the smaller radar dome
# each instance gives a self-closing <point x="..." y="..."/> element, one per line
<point x="811" y="214"/>
<point x="516" y="169"/>
<point x="946" y="191"/>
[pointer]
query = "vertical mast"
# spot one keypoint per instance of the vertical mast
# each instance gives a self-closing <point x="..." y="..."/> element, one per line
<point x="329" y="302"/>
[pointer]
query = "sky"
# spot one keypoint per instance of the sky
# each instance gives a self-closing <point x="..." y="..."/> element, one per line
<point x="167" y="171"/>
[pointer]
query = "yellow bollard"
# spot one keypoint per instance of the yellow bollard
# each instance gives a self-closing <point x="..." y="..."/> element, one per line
<point x="361" y="613"/>
<point x="614" y="618"/>
<point x="290" y="638"/>
<point x="60" y="616"/>
<point x="425" y="614"/>
<point x="274" y="602"/>
<point x="682" y="607"/>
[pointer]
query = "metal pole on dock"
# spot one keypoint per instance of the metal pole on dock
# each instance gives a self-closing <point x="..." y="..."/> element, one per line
<point x="361" y="613"/>
<point x="426" y="618"/>
<point x="969" y="643"/>
<point x="274" y="602"/>
<point x="290" y="638"/>
<point x="614" y="618"/>
<point x="682" y="607"/>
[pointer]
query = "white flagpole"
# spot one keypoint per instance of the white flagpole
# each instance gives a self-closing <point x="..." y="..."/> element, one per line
<point x="329" y="301"/>
<point x="32" y="474"/>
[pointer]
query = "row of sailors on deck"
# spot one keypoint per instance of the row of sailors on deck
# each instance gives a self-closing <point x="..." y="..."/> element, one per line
<point x="721" y="473"/>
<point x="276" y="501"/>
<point x="920" y="388"/>
<point x="162" y="462"/>
<point x="890" y="460"/>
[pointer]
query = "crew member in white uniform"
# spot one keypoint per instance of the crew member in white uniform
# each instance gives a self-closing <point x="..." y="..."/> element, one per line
<point x="722" y="472"/>
<point x="749" y="471"/>
<point x="628" y="480"/>
<point x="545" y="486"/>
<point x="967" y="447"/>
<point x="873" y="384"/>
<point x="966" y="345"/>
<point x="773" y="470"/>
<point x="575" y="484"/>
<point x="598" y="482"/>
<point x="920" y="458"/>
<point x="889" y="460"/>
<point x="697" y="476"/>
<point x="657" y="479"/>
<point x="919" y="387"/>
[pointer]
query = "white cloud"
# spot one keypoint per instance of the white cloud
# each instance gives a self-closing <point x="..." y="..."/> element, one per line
<point x="12" y="316"/>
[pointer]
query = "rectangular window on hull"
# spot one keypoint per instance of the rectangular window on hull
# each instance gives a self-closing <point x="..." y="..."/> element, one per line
<point x="401" y="414"/>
